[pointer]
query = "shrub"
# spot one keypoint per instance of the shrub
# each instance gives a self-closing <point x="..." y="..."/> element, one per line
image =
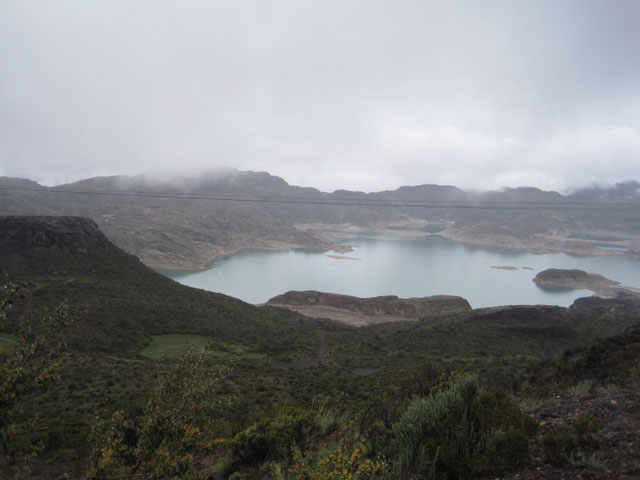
<point x="458" y="432"/>
<point x="585" y="427"/>
<point x="271" y="438"/>
<point x="344" y="455"/>
<point x="29" y="368"/>
<point x="559" y="445"/>
<point x="176" y="425"/>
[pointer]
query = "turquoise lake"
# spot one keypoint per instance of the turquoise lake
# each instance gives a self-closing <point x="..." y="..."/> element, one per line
<point x="406" y="267"/>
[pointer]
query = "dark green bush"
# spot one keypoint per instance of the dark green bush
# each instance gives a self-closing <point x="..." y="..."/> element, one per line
<point x="459" y="432"/>
<point x="503" y="451"/>
<point x="559" y="445"/>
<point x="272" y="438"/>
<point x="585" y="427"/>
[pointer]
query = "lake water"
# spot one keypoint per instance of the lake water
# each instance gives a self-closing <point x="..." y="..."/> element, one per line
<point x="406" y="267"/>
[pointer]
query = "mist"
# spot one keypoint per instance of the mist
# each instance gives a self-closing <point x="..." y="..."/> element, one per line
<point x="360" y="95"/>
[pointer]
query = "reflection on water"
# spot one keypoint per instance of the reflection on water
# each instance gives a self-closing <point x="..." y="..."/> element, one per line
<point x="406" y="267"/>
<point x="551" y="289"/>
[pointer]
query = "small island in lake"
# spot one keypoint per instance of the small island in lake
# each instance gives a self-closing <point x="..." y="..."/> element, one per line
<point x="579" y="279"/>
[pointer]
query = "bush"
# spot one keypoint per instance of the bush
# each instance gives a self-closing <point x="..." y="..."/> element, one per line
<point x="459" y="432"/>
<point x="271" y="438"/>
<point x="559" y="445"/>
<point x="585" y="427"/>
<point x="344" y="455"/>
<point x="29" y="368"/>
<point x="176" y="425"/>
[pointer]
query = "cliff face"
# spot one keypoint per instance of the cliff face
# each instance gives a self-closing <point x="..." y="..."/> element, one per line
<point x="25" y="234"/>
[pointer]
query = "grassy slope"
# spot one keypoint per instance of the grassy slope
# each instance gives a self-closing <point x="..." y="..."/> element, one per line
<point x="121" y="303"/>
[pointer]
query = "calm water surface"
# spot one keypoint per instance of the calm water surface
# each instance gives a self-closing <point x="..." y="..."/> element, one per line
<point x="406" y="267"/>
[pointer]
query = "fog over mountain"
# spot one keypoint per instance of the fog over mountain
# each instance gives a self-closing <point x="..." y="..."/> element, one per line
<point x="186" y="221"/>
<point x="360" y="95"/>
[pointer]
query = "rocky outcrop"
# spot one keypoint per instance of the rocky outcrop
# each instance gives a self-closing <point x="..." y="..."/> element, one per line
<point x="362" y="311"/>
<point x="26" y="234"/>
<point x="600" y="285"/>
<point x="571" y="278"/>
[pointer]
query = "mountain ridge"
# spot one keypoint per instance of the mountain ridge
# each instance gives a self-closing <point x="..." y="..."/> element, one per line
<point x="261" y="211"/>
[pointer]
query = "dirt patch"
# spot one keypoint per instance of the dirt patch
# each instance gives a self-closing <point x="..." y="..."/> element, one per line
<point x="343" y="316"/>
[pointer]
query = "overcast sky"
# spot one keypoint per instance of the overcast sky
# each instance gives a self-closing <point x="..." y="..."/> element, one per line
<point x="364" y="95"/>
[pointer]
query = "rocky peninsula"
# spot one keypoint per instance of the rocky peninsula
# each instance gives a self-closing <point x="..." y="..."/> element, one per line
<point x="366" y="311"/>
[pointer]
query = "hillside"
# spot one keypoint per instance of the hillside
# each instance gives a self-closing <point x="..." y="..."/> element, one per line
<point x="121" y="301"/>
<point x="183" y="222"/>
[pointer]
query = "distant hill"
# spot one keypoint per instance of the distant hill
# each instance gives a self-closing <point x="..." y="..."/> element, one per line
<point x="185" y="221"/>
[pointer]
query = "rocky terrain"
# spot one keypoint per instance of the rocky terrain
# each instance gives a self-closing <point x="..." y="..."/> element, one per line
<point x="179" y="230"/>
<point x="579" y="279"/>
<point x="367" y="311"/>
<point x="605" y="407"/>
<point x="613" y="451"/>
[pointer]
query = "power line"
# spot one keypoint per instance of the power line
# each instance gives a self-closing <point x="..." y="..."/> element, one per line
<point x="360" y="202"/>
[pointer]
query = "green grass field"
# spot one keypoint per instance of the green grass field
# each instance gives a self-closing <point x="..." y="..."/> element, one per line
<point x="173" y="345"/>
<point x="7" y="342"/>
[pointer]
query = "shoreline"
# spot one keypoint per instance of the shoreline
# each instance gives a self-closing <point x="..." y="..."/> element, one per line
<point x="543" y="245"/>
<point x="193" y="267"/>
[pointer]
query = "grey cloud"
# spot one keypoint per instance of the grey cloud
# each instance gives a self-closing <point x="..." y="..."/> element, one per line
<point x="356" y="94"/>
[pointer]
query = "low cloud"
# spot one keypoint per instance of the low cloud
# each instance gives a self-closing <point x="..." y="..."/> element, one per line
<point x="364" y="95"/>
